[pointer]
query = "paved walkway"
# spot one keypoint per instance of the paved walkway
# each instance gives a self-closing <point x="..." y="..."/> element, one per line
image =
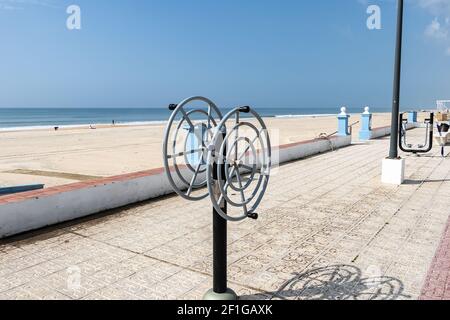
<point x="328" y="230"/>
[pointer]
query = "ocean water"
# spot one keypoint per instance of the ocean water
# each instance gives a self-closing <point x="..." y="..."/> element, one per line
<point x="24" y="118"/>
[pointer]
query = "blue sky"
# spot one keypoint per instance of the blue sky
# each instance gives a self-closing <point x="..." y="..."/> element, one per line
<point x="144" y="53"/>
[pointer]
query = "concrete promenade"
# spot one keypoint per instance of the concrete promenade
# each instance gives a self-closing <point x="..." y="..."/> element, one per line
<point x="328" y="229"/>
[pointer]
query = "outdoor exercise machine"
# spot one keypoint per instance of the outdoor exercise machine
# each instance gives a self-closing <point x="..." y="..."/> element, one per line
<point x="227" y="158"/>
<point x="425" y="147"/>
<point x="442" y="137"/>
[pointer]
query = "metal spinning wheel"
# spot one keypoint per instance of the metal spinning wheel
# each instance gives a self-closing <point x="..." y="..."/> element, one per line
<point x="202" y="158"/>
<point x="186" y="139"/>
<point x="239" y="162"/>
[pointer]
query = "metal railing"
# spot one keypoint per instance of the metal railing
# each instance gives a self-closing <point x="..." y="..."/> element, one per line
<point x="326" y="136"/>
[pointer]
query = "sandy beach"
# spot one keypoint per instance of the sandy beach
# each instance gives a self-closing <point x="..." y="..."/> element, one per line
<point x="79" y="154"/>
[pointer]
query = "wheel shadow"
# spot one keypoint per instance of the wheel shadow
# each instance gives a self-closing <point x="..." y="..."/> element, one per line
<point x="339" y="282"/>
<point x="418" y="182"/>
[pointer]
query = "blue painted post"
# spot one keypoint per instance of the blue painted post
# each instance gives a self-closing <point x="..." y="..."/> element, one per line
<point x="193" y="144"/>
<point x="366" y="125"/>
<point x="412" y="117"/>
<point x="343" y="119"/>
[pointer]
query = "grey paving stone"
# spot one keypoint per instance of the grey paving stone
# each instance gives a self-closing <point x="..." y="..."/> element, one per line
<point x="328" y="230"/>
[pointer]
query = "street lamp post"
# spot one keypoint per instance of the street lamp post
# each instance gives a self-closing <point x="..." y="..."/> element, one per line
<point x="393" y="171"/>
<point x="393" y="153"/>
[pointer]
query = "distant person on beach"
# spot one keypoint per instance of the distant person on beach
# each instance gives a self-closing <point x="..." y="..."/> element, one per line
<point x="114" y="122"/>
<point x="56" y="128"/>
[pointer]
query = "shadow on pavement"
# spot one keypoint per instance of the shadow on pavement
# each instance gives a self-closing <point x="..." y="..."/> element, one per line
<point x="340" y="282"/>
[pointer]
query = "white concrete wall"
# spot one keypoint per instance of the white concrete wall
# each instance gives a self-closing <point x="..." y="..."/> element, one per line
<point x="386" y="131"/>
<point x="301" y="151"/>
<point x="46" y="210"/>
<point x="17" y="217"/>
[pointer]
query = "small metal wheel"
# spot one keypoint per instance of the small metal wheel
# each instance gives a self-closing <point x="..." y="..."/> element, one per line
<point x="239" y="161"/>
<point x="188" y="133"/>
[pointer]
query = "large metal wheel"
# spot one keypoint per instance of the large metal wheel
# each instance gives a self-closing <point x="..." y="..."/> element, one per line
<point x="239" y="161"/>
<point x="187" y="136"/>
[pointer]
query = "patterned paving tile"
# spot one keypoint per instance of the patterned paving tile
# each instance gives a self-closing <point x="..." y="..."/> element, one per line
<point x="328" y="230"/>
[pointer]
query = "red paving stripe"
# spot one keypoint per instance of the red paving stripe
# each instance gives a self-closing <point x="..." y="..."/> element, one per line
<point x="79" y="185"/>
<point x="76" y="186"/>
<point x="437" y="283"/>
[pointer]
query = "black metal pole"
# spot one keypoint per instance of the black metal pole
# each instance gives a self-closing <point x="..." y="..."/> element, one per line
<point x="393" y="153"/>
<point x="220" y="239"/>
<point x="219" y="253"/>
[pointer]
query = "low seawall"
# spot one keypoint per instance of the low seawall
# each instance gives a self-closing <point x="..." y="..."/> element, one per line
<point x="386" y="131"/>
<point x="36" y="209"/>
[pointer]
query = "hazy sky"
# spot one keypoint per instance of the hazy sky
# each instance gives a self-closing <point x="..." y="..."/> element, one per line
<point x="142" y="53"/>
